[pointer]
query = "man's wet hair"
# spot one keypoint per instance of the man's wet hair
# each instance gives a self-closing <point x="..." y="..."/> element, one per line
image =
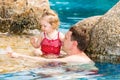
<point x="79" y="35"/>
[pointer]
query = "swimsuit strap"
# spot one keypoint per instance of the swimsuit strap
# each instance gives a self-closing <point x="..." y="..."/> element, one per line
<point x="58" y="35"/>
<point x="44" y="35"/>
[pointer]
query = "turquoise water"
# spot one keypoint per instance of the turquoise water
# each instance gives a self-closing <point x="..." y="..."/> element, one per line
<point x="70" y="12"/>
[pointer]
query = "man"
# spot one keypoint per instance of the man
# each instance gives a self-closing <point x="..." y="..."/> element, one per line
<point x="74" y="45"/>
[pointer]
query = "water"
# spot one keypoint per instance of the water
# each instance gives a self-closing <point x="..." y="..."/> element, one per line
<point x="107" y="71"/>
<point x="70" y="12"/>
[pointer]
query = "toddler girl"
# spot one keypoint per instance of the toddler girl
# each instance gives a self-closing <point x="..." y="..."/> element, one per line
<point x="50" y="39"/>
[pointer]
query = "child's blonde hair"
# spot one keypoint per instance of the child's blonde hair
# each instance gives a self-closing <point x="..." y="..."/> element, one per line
<point x="52" y="18"/>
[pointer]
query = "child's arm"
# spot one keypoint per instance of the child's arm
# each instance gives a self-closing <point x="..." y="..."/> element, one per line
<point x="36" y="41"/>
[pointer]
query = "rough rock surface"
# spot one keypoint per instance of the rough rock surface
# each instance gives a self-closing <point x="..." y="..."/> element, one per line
<point x="18" y="16"/>
<point x="104" y="35"/>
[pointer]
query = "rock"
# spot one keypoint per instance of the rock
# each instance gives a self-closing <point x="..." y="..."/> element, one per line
<point x="17" y="16"/>
<point x="104" y="33"/>
<point x="105" y="39"/>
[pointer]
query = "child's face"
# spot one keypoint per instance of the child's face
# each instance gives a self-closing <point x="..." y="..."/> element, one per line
<point x="46" y="26"/>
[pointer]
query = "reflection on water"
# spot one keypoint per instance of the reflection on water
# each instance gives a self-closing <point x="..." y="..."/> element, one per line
<point x="52" y="73"/>
<point x="106" y="71"/>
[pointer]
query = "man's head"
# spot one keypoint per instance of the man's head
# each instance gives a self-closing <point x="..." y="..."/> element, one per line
<point x="79" y="35"/>
<point x="76" y="37"/>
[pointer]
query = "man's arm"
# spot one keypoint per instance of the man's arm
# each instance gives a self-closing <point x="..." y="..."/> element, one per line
<point x="41" y="59"/>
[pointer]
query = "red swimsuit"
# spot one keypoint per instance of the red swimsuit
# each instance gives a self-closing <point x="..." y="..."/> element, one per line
<point x="51" y="46"/>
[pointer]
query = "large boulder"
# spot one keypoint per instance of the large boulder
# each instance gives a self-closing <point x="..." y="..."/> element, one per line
<point x="17" y="16"/>
<point x="104" y="33"/>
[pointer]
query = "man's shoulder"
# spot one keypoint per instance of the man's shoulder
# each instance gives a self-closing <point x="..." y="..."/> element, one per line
<point x="79" y="58"/>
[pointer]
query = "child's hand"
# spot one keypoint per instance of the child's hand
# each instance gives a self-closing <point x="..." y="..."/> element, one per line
<point x="33" y="40"/>
<point x="37" y="52"/>
<point x="63" y="53"/>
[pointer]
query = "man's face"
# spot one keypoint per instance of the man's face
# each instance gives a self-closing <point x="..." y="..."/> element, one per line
<point x="67" y="45"/>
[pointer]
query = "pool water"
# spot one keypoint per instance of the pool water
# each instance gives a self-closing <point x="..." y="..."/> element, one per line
<point x="70" y="12"/>
<point x="107" y="71"/>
